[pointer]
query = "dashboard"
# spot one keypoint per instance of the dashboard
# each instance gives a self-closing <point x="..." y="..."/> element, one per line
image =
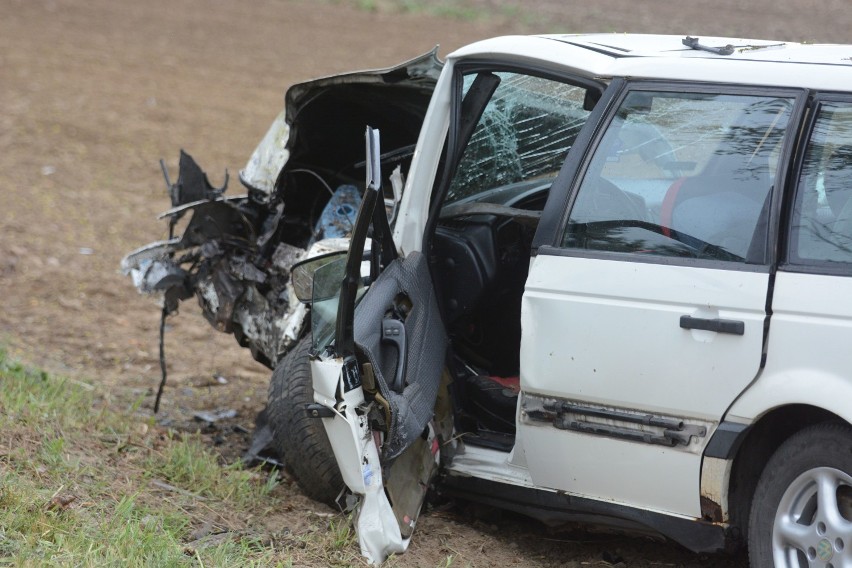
<point x="474" y="252"/>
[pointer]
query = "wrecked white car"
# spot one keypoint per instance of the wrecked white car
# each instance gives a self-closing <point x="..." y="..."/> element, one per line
<point x="616" y="292"/>
<point x="613" y="291"/>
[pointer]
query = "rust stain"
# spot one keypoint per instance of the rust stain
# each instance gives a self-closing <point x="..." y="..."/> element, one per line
<point x="710" y="510"/>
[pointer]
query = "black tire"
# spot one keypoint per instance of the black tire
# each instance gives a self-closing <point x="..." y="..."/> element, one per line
<point x="814" y="463"/>
<point x="299" y="439"/>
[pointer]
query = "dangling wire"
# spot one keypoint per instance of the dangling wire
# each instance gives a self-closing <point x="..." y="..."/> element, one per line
<point x="164" y="312"/>
<point x="163" y="315"/>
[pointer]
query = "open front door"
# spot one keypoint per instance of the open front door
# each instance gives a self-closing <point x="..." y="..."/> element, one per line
<point x="646" y="320"/>
<point x="508" y="133"/>
<point x="376" y="378"/>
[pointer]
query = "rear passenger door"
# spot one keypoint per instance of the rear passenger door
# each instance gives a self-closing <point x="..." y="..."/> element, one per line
<point x="643" y="317"/>
<point x="811" y="308"/>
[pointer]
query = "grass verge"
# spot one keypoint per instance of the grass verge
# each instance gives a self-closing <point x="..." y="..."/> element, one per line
<point x="83" y="484"/>
<point x="504" y="11"/>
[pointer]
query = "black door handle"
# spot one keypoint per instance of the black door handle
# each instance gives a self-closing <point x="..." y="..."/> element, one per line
<point x="733" y="327"/>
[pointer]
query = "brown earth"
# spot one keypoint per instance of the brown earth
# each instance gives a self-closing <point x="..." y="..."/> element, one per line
<point x="94" y="92"/>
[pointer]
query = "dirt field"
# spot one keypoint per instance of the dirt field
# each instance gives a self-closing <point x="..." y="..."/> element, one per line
<point x="94" y="92"/>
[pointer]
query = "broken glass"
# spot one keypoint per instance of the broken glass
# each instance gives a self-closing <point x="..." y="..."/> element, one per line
<point x="525" y="132"/>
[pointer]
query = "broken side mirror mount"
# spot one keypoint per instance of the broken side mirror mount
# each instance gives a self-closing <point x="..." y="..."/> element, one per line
<point x="310" y="283"/>
<point x="313" y="279"/>
<point x="325" y="298"/>
<point x="317" y="281"/>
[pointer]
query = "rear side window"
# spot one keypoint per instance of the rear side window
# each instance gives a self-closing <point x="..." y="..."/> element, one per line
<point x="682" y="175"/>
<point x="822" y="213"/>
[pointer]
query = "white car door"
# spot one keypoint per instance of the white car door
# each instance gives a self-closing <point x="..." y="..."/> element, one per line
<point x="644" y="316"/>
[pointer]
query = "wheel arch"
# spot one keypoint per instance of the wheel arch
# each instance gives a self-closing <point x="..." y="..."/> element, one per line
<point x="778" y="389"/>
<point x="776" y="406"/>
<point x="760" y="441"/>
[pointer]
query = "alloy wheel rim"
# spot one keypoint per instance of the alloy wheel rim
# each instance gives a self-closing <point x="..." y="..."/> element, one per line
<point x="813" y="523"/>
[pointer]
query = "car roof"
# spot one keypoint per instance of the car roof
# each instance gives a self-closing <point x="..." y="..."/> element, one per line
<point x="604" y="56"/>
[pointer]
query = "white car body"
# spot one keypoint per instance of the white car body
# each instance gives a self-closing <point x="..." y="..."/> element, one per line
<point x="601" y="330"/>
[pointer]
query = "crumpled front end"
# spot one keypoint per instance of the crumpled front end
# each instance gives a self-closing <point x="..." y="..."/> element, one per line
<point x="230" y="259"/>
<point x="304" y="183"/>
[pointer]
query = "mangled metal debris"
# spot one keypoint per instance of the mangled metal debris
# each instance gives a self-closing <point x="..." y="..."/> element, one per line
<point x="213" y="416"/>
<point x="234" y="253"/>
<point x="226" y="259"/>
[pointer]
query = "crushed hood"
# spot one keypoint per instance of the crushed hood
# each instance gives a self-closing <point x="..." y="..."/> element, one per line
<point x="266" y="162"/>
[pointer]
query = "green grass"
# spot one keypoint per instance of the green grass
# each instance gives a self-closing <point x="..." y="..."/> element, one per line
<point x="453" y="9"/>
<point x="84" y="485"/>
<point x="463" y="10"/>
<point x="89" y="481"/>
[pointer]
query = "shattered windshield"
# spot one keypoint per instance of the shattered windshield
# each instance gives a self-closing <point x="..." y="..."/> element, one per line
<point x="524" y="133"/>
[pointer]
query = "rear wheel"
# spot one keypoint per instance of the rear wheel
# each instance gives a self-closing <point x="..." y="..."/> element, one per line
<point x="802" y="509"/>
<point x="301" y="440"/>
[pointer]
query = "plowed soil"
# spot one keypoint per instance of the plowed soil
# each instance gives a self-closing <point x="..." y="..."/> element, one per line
<point x="94" y="92"/>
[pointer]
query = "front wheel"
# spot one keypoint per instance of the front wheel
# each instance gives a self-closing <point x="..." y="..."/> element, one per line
<point x="299" y="438"/>
<point x="801" y="515"/>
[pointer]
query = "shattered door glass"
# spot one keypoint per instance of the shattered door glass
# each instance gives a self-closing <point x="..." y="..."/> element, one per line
<point x="527" y="128"/>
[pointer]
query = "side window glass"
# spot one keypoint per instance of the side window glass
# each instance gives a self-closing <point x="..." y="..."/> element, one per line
<point x="524" y="133"/>
<point x="822" y="213"/>
<point x="683" y="175"/>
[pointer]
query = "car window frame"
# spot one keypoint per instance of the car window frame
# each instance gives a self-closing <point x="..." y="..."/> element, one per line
<point x="799" y="97"/>
<point x="452" y="153"/>
<point x="807" y="266"/>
